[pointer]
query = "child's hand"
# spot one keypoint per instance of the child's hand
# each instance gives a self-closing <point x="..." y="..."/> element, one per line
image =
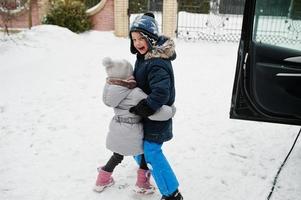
<point x="142" y="109"/>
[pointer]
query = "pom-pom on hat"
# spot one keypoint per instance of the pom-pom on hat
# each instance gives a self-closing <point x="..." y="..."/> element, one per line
<point x="117" y="69"/>
<point x="147" y="26"/>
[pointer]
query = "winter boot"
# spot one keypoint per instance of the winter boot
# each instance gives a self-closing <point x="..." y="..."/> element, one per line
<point x="104" y="179"/>
<point x="143" y="185"/>
<point x="174" y="196"/>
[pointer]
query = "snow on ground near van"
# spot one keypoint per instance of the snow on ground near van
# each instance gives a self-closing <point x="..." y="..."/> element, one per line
<point x="53" y="123"/>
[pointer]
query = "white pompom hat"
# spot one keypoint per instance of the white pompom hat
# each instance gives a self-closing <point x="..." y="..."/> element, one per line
<point x="117" y="69"/>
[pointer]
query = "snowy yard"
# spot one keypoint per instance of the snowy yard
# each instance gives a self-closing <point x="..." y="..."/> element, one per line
<point x="53" y="124"/>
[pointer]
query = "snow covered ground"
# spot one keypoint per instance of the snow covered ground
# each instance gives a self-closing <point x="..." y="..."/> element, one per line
<point x="53" y="123"/>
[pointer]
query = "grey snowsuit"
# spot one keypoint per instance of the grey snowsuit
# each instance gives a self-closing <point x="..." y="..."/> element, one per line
<point x="125" y="134"/>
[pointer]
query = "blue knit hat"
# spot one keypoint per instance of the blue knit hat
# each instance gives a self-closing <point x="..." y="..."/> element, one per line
<point x="147" y="26"/>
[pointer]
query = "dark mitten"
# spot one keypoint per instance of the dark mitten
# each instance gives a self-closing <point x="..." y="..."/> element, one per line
<point x="142" y="109"/>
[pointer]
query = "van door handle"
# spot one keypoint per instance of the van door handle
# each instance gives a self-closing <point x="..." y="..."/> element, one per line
<point x="289" y="74"/>
<point x="296" y="59"/>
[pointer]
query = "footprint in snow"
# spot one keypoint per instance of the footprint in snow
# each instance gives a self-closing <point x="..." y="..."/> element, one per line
<point x="1" y="109"/>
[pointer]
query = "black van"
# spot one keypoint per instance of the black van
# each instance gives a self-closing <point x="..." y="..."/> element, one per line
<point x="267" y="84"/>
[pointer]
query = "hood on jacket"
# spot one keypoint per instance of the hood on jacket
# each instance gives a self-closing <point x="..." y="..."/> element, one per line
<point x="147" y="26"/>
<point x="165" y="48"/>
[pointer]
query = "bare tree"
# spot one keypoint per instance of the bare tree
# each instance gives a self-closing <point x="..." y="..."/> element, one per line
<point x="5" y="15"/>
<point x="9" y="10"/>
<point x="29" y="14"/>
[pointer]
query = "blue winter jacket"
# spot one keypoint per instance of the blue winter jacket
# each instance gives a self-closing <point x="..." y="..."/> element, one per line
<point x="154" y="75"/>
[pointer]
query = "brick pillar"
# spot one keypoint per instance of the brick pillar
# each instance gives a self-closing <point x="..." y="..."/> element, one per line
<point x="44" y="6"/>
<point x="170" y="12"/>
<point x="121" y="24"/>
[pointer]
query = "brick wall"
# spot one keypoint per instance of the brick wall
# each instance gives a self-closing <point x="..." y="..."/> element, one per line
<point x="104" y="19"/>
<point x="111" y="17"/>
<point x="21" y="19"/>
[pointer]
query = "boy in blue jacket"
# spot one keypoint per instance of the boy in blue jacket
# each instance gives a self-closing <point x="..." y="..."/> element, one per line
<point x="154" y="75"/>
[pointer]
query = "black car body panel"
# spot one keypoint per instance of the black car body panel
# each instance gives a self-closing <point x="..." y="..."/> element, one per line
<point x="267" y="84"/>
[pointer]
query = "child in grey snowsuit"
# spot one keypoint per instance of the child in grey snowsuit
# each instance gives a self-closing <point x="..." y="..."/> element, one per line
<point x="125" y="136"/>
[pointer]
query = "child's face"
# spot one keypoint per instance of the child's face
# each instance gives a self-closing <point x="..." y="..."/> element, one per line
<point x="139" y="42"/>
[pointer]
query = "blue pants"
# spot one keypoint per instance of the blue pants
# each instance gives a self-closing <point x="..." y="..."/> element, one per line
<point x="163" y="175"/>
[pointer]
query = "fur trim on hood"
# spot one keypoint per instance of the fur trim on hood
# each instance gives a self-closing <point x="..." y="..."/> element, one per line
<point x="165" y="49"/>
<point x="129" y="83"/>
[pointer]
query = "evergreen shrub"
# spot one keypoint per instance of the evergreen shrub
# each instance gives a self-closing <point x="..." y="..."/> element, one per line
<point x="71" y="15"/>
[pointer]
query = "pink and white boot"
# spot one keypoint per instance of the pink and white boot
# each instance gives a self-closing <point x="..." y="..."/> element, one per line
<point x="143" y="185"/>
<point x="104" y="179"/>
